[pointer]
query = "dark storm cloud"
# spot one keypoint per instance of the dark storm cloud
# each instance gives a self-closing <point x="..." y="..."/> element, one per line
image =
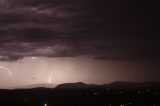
<point x="108" y="30"/>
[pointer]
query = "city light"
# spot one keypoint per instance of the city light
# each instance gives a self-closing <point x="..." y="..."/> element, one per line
<point x="45" y="104"/>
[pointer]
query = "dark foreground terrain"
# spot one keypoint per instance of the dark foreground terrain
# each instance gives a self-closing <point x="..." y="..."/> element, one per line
<point x="79" y="94"/>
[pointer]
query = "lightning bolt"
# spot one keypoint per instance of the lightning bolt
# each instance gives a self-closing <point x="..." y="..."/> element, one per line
<point x="2" y="68"/>
<point x="50" y="78"/>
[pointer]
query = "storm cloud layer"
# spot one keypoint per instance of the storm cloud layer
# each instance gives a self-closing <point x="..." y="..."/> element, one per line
<point x="108" y="30"/>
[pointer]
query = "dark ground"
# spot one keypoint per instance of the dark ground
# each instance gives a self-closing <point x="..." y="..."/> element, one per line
<point x="83" y="96"/>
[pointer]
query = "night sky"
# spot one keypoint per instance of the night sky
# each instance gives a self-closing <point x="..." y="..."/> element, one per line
<point x="90" y="41"/>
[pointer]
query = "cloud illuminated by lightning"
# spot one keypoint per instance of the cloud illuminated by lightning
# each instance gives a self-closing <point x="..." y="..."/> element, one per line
<point x="36" y="58"/>
<point x="2" y="68"/>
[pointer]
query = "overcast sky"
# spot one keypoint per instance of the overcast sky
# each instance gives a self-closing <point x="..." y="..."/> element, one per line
<point x="92" y="41"/>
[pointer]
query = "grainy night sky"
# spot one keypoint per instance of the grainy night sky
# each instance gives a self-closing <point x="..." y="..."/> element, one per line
<point x="91" y="41"/>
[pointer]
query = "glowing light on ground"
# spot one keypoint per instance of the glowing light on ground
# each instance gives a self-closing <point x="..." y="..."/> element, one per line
<point x="45" y="104"/>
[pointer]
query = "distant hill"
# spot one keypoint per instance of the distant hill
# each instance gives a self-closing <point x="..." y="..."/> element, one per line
<point x="42" y="85"/>
<point x="115" y="85"/>
<point x="74" y="85"/>
<point x="130" y="85"/>
<point x="81" y="85"/>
